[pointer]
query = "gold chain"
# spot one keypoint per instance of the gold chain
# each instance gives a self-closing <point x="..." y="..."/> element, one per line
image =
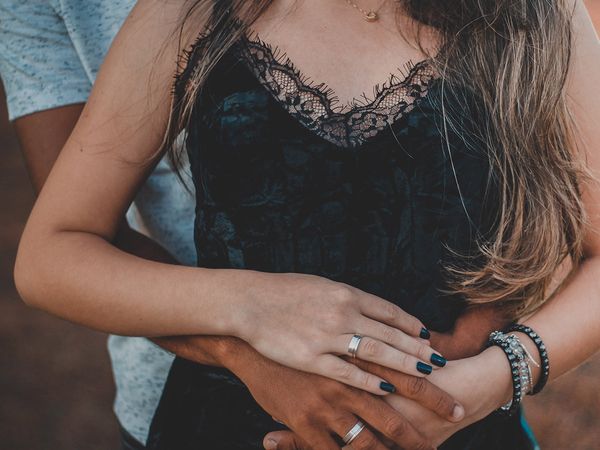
<point x="371" y="15"/>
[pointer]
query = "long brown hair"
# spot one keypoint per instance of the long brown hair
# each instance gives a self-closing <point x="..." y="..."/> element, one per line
<point x="513" y="56"/>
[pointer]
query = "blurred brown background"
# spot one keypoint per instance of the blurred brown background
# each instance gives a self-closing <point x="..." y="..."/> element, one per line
<point x="55" y="381"/>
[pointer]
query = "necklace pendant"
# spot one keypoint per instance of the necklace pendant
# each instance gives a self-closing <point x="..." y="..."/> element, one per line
<point x="371" y="16"/>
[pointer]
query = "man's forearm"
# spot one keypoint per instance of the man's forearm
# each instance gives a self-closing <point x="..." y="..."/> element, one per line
<point x="210" y="350"/>
<point x="470" y="332"/>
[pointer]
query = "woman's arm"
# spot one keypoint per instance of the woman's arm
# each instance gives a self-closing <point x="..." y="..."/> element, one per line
<point x="569" y="324"/>
<point x="66" y="254"/>
<point x="67" y="263"/>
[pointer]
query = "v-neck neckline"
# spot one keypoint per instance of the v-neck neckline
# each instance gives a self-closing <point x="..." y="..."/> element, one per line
<point x="316" y="105"/>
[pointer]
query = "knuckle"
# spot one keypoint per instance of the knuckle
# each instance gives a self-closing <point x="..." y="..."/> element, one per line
<point x="316" y="443"/>
<point x="342" y="307"/>
<point x="317" y="440"/>
<point x="303" y="420"/>
<point x="359" y="400"/>
<point x="344" y="372"/>
<point x="305" y="354"/>
<point x="367" y="442"/>
<point x="362" y="379"/>
<point x="332" y="389"/>
<point x="336" y="417"/>
<point x="371" y="348"/>
<point x="324" y="415"/>
<point x="422" y="445"/>
<point x="343" y="294"/>
<point x="363" y="399"/>
<point x="404" y="360"/>
<point x="306" y="422"/>
<point x="395" y="427"/>
<point x="415" y="386"/>
<point x="326" y="446"/>
<point x="390" y="311"/>
<point x="337" y="320"/>
<point x="389" y="335"/>
<point x="423" y="352"/>
<point x="414" y="326"/>
<point x="443" y="404"/>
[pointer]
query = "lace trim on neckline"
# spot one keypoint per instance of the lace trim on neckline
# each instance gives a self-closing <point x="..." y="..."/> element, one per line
<point x="316" y="106"/>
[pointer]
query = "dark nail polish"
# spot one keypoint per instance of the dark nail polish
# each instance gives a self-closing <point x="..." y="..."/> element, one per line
<point x="425" y="334"/>
<point x="424" y="368"/>
<point x="438" y="360"/>
<point x="387" y="387"/>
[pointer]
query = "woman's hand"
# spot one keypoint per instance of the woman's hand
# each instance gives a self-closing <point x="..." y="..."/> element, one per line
<point x="480" y="383"/>
<point x="306" y="322"/>
<point x="317" y="408"/>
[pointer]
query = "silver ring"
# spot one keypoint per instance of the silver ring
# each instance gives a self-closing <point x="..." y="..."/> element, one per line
<point x="353" y="345"/>
<point x="353" y="433"/>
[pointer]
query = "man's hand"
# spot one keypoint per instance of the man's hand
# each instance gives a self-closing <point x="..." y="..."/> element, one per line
<point x="418" y="390"/>
<point x="317" y="408"/>
<point x="467" y="339"/>
<point x="482" y="383"/>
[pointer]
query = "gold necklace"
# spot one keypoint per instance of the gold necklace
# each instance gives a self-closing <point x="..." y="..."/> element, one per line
<point x="370" y="15"/>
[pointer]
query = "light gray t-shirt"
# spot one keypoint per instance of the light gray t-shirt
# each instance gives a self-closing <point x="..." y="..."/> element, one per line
<point x="50" y="53"/>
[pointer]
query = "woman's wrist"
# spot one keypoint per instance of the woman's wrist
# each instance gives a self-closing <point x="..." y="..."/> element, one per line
<point x="495" y="369"/>
<point x="232" y="310"/>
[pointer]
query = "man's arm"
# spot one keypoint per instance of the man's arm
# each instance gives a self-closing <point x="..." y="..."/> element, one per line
<point x="470" y="332"/>
<point x="41" y="136"/>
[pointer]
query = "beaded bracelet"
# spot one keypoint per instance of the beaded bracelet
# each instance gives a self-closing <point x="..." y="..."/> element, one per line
<point x="521" y="374"/>
<point x="545" y="361"/>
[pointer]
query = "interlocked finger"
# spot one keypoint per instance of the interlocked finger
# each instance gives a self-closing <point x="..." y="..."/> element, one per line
<point x="418" y="389"/>
<point x="390" y="423"/>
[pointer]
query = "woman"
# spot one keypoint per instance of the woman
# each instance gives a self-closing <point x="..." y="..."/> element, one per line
<point x="459" y="180"/>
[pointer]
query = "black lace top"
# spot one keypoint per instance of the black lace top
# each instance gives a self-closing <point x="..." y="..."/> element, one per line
<point x="316" y="106"/>
<point x="372" y="193"/>
<point x="288" y="180"/>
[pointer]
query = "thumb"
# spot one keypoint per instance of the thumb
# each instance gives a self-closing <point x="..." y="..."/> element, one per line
<point x="283" y="440"/>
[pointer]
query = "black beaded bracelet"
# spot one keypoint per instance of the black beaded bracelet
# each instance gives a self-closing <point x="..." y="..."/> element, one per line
<point x="545" y="361"/>
<point x="496" y="338"/>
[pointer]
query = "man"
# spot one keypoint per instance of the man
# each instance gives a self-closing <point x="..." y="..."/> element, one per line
<point x="50" y="53"/>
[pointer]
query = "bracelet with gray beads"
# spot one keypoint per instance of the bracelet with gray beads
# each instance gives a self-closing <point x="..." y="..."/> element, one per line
<point x="520" y="370"/>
